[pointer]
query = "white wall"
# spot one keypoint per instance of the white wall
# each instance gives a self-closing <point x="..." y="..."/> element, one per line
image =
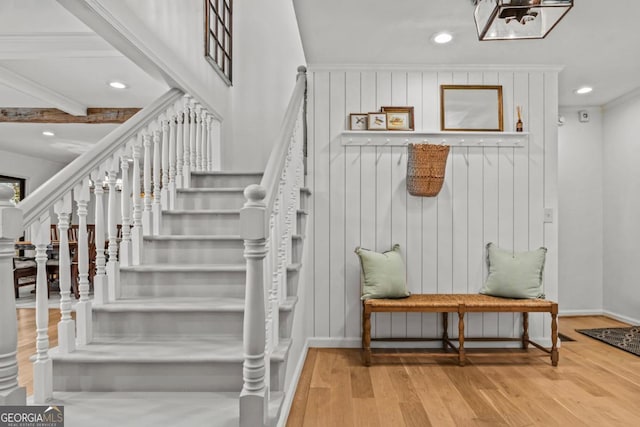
<point x="622" y="208"/>
<point x="489" y="195"/>
<point x="580" y="212"/>
<point x="35" y="170"/>
<point x="267" y="52"/>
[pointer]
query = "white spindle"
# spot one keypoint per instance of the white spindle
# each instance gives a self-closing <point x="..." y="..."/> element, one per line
<point x="136" y="231"/>
<point x="113" y="266"/>
<point x="199" y="138"/>
<point x="125" y="243"/>
<point x="214" y="150"/>
<point x="42" y="367"/>
<point x="83" y="308"/>
<point x="192" y="137"/>
<point x="203" y="141"/>
<point x="179" y="149"/>
<point x="172" y="162"/>
<point x="157" y="196"/>
<point x="164" y="200"/>
<point x="206" y="163"/>
<point x="147" y="217"/>
<point x="66" y="326"/>
<point x="10" y="230"/>
<point x="100" y="282"/>
<point x="186" y="166"/>
<point x="254" y="395"/>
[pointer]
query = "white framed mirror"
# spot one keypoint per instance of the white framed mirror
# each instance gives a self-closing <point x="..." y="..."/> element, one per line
<point x="471" y="108"/>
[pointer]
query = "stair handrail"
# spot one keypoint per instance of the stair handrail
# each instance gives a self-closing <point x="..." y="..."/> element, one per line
<point x="40" y="201"/>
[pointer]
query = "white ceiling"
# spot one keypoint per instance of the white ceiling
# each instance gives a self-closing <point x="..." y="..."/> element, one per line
<point x="43" y="43"/>
<point x="597" y="42"/>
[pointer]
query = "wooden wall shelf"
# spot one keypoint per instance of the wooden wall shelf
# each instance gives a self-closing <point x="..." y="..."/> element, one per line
<point x="453" y="139"/>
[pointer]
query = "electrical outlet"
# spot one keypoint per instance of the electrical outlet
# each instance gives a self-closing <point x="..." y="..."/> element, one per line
<point x="548" y="215"/>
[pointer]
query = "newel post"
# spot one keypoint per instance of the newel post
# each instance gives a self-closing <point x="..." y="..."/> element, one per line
<point x="10" y="230"/>
<point x="253" y="229"/>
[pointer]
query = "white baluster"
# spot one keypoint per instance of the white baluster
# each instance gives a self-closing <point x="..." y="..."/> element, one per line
<point x="83" y="308"/>
<point x="147" y="218"/>
<point x="113" y="266"/>
<point x="10" y="230"/>
<point x="214" y="152"/>
<point x="66" y="326"/>
<point x="186" y="167"/>
<point x="198" y="138"/>
<point x="157" y="196"/>
<point x="42" y="367"/>
<point x="179" y="149"/>
<point x="203" y="140"/>
<point x="254" y="394"/>
<point x="125" y="244"/>
<point x="100" y="281"/>
<point x="192" y="138"/>
<point x="136" y="231"/>
<point x="207" y="145"/>
<point x="172" y="163"/>
<point x="164" y="193"/>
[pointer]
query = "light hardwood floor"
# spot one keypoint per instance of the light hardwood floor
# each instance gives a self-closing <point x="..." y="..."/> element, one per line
<point x="594" y="385"/>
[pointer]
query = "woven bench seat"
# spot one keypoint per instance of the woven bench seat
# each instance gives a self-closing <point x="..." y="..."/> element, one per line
<point x="461" y="304"/>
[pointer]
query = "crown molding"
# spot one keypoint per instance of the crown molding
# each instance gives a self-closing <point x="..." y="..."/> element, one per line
<point x="435" y="67"/>
<point x="54" y="45"/>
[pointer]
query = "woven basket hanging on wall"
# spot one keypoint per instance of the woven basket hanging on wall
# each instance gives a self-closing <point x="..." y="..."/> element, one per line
<point x="425" y="169"/>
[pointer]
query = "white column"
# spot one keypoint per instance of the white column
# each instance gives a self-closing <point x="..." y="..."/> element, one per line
<point x="42" y="366"/>
<point x="113" y="266"/>
<point x="136" y="231"/>
<point x="100" y="282"/>
<point x="203" y="140"/>
<point x="192" y="138"/>
<point x="186" y="167"/>
<point x="83" y="308"/>
<point x="10" y="230"/>
<point x="157" y="195"/>
<point x="207" y="145"/>
<point x="214" y="155"/>
<point x="172" y="163"/>
<point x="179" y="149"/>
<point x="254" y="394"/>
<point x="164" y="193"/>
<point x="199" y="139"/>
<point x="147" y="218"/>
<point x="66" y="326"/>
<point x="125" y="202"/>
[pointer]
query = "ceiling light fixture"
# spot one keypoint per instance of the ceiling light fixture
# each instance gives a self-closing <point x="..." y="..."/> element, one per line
<point x="117" y="85"/>
<point x="442" y="38"/>
<point x="518" y="19"/>
<point x="584" y="90"/>
<point x="48" y="133"/>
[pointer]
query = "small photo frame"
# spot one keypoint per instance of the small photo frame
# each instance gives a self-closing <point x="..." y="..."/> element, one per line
<point x="358" y="121"/>
<point x="377" y="121"/>
<point x="399" y="118"/>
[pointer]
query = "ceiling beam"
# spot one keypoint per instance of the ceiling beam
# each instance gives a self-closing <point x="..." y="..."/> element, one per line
<point x="35" y="89"/>
<point x="53" y="115"/>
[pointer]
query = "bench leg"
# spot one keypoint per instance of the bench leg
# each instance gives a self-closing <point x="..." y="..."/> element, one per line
<point x="525" y="331"/>
<point x="366" y="337"/>
<point x="461" y="360"/>
<point x="554" y="336"/>
<point x="445" y="330"/>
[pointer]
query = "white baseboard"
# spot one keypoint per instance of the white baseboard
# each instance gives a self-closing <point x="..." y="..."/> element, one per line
<point x="356" y="342"/>
<point x="590" y="312"/>
<point x="288" y="397"/>
<point x="622" y="318"/>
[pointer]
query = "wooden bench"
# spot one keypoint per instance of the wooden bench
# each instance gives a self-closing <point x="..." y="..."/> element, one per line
<point x="461" y="304"/>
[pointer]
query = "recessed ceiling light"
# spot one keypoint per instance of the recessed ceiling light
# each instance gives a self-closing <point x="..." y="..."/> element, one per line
<point x="117" y="85"/>
<point x="48" y="133"/>
<point x="584" y="90"/>
<point x="442" y="38"/>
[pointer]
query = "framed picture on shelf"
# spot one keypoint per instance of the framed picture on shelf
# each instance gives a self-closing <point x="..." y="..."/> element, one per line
<point x="399" y="118"/>
<point x="377" y="121"/>
<point x="471" y="108"/>
<point x="358" y="121"/>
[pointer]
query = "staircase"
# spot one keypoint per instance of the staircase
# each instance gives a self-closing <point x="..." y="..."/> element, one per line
<point x="177" y="324"/>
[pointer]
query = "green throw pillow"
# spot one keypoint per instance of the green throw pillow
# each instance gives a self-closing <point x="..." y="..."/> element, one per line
<point x="514" y="275"/>
<point x="383" y="274"/>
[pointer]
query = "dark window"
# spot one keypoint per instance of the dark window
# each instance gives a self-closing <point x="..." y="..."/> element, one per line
<point x="18" y="185"/>
<point x="218" y="43"/>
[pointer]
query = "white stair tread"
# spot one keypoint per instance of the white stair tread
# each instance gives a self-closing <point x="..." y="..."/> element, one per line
<point x="152" y="304"/>
<point x="163" y="268"/>
<point x="227" y="173"/>
<point x="159" y="350"/>
<point x="211" y="190"/>
<point x="202" y="212"/>
<point x="152" y="409"/>
<point x="214" y="238"/>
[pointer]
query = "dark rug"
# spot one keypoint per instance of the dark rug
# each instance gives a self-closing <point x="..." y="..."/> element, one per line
<point x="564" y="338"/>
<point x="627" y="339"/>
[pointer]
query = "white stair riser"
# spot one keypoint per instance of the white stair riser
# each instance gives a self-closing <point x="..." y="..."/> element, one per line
<point x="151" y="375"/>
<point x="222" y="181"/>
<point x="292" y="283"/>
<point x="296" y="250"/>
<point x="193" y="252"/>
<point x="192" y="290"/>
<point x="209" y="224"/>
<point x="210" y="200"/>
<point x="182" y="283"/>
<point x="301" y="222"/>
<point x="155" y="324"/>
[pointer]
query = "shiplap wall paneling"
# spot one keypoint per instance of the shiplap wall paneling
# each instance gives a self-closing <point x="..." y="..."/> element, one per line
<point x="489" y="195"/>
